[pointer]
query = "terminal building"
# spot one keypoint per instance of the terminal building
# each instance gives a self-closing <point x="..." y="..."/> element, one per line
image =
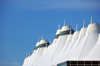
<point x="69" y="48"/>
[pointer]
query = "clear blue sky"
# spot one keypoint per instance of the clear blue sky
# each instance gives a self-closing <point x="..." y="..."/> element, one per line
<point x="23" y="21"/>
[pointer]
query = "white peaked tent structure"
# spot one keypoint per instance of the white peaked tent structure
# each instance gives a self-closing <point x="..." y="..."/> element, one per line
<point x="68" y="47"/>
<point x="48" y="54"/>
<point x="38" y="52"/>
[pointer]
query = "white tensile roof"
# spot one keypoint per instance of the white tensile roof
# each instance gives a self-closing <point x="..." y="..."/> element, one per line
<point x="82" y="45"/>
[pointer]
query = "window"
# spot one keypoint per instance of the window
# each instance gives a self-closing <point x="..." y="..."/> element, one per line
<point x="94" y="62"/>
<point x="36" y="48"/>
<point x="62" y="64"/>
<point x="87" y="62"/>
<point x="79" y="63"/>
<point x="66" y="32"/>
<point x="42" y="45"/>
<point x="56" y="36"/>
<point x="73" y="62"/>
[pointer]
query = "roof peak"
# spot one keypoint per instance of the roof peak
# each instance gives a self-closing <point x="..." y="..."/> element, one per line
<point x="50" y="41"/>
<point x="64" y="22"/>
<point x="83" y="23"/>
<point x="26" y="55"/>
<point x="59" y="26"/>
<point x="91" y="19"/>
<point x="38" y="39"/>
<point x="70" y="30"/>
<point x="42" y="37"/>
<point x="76" y="27"/>
<point x="29" y="53"/>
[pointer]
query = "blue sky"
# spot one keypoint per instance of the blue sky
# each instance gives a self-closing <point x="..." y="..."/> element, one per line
<point x="23" y="21"/>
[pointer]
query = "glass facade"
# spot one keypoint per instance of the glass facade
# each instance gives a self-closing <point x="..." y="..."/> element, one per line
<point x="80" y="63"/>
<point x="36" y="48"/>
<point x="42" y="45"/>
<point x="62" y="64"/>
<point x="56" y="36"/>
<point x="66" y="32"/>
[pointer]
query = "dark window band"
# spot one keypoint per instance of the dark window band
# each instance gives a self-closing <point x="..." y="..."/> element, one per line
<point x="56" y="36"/>
<point x="79" y="63"/>
<point x="66" y="32"/>
<point x="42" y="45"/>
